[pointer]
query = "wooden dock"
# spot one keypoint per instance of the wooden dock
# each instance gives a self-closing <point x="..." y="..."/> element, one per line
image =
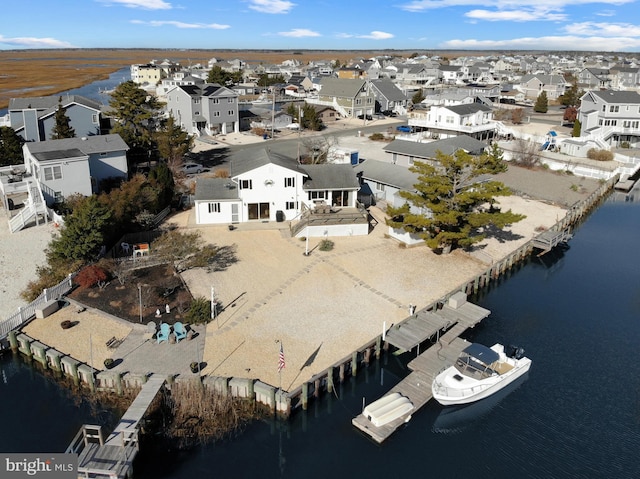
<point x="417" y="385"/>
<point x="549" y="239"/>
<point x="114" y="457"/>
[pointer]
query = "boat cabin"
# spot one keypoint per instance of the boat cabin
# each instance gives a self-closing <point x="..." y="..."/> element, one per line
<point x="477" y="361"/>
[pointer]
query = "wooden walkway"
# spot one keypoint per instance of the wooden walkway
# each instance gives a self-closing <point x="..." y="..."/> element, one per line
<point x="417" y="385"/>
<point x="549" y="239"/>
<point x="114" y="457"/>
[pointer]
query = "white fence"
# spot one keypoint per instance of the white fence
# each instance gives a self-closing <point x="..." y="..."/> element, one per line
<point x="28" y="312"/>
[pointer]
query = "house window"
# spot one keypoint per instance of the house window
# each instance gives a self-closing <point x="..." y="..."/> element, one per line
<point x="94" y="119"/>
<point x="380" y="186"/>
<point x="290" y="182"/>
<point x="358" y="101"/>
<point x="216" y="113"/>
<point x="317" y="195"/>
<point x="52" y="173"/>
<point x="103" y="153"/>
<point x="411" y="159"/>
<point x="604" y="108"/>
<point x="292" y="205"/>
<point x="215" y="100"/>
<point x="214" y="207"/>
<point x="246" y="184"/>
<point x="230" y="112"/>
<point x="58" y="197"/>
<point x="614" y="109"/>
<point x="196" y="101"/>
<point x="231" y="100"/>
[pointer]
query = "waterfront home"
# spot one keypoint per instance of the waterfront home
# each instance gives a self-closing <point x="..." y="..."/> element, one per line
<point x="205" y="109"/>
<point x="404" y="153"/>
<point x="34" y="118"/>
<point x="610" y="117"/>
<point x="267" y="187"/>
<point x="472" y="119"/>
<point x="75" y="165"/>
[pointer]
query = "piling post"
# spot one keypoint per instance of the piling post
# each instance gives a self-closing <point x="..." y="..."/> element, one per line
<point x="316" y="388"/>
<point x="304" y="396"/>
<point x="330" y="379"/>
<point x="341" y="372"/>
<point x="367" y="355"/>
<point x="354" y="363"/>
<point x="378" y="346"/>
<point x="13" y="341"/>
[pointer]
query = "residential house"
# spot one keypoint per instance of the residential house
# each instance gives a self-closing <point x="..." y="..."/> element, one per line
<point x="405" y="153"/>
<point x="625" y="78"/>
<point x="388" y="96"/>
<point x="75" y="165"/>
<point x="351" y="73"/>
<point x="594" y="78"/>
<point x="350" y="98"/>
<point x="611" y="117"/>
<point x="265" y="186"/>
<point x="178" y="79"/>
<point x="326" y="114"/>
<point x="34" y="118"/>
<point x="473" y="119"/>
<point x="146" y="74"/>
<point x="451" y="74"/>
<point x="532" y="85"/>
<point x="206" y="109"/>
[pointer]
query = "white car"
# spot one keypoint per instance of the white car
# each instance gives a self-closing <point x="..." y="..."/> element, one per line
<point x="190" y="168"/>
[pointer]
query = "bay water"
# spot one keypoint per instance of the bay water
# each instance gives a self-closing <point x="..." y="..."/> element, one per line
<point x="575" y="311"/>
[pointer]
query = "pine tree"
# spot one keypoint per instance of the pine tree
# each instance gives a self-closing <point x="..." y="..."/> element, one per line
<point x="446" y="207"/>
<point x="173" y="143"/>
<point x="577" y="129"/>
<point x="542" y="103"/>
<point x="62" y="127"/>
<point x="10" y="147"/>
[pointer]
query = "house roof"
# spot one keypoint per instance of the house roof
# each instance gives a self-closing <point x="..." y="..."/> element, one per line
<point x="468" y="108"/>
<point x="340" y="87"/>
<point x="321" y="177"/>
<point x="448" y="146"/>
<point x="59" y="155"/>
<point x="51" y="102"/>
<point x="388" y="89"/>
<point x="611" y="96"/>
<point x="216" y="188"/>
<point x="248" y="160"/>
<point x="86" y="145"/>
<point x="387" y="173"/>
<point x="207" y="89"/>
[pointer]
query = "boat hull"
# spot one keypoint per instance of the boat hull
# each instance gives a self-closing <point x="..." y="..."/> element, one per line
<point x="449" y="388"/>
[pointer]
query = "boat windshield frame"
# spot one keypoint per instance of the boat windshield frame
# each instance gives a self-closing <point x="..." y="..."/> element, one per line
<point x="476" y="362"/>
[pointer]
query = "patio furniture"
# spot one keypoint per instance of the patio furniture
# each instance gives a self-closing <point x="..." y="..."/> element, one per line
<point x="163" y="334"/>
<point x="180" y="331"/>
<point x="151" y="330"/>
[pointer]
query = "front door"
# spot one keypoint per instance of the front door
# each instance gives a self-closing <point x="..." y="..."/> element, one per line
<point x="258" y="211"/>
<point x="234" y="213"/>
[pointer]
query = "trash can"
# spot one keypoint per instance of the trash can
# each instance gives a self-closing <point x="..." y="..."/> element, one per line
<point x="279" y="216"/>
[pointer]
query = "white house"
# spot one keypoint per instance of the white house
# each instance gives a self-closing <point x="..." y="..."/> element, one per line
<point x="609" y="116"/>
<point x="473" y="119"/>
<point x="75" y="165"/>
<point x="267" y="187"/>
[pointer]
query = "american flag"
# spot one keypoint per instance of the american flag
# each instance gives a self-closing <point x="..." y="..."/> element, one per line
<point x="281" y="363"/>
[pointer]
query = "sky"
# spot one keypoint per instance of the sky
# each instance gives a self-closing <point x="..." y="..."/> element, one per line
<point x="582" y="25"/>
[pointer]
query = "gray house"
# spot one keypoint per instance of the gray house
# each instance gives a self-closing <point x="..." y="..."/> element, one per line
<point x="206" y="109"/>
<point x="34" y="118"/>
<point x="388" y="96"/>
<point x="404" y="152"/>
<point x="75" y="165"/>
<point x="351" y="98"/>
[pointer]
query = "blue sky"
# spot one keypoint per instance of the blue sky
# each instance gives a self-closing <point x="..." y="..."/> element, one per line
<point x="587" y="25"/>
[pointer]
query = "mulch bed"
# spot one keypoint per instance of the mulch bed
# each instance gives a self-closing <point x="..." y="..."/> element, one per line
<point x="159" y="287"/>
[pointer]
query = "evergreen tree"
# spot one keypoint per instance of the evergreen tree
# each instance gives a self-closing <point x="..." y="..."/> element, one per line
<point x="572" y="96"/>
<point x="577" y="129"/>
<point x="218" y="75"/>
<point x="310" y="118"/>
<point x="62" y="127"/>
<point x="542" y="103"/>
<point x="10" y="147"/>
<point x="445" y="208"/>
<point x="137" y="115"/>
<point x="162" y="181"/>
<point x="173" y="143"/>
<point x="83" y="233"/>
<point x="417" y="97"/>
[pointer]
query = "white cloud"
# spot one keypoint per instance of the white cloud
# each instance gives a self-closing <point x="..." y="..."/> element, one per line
<point x="271" y="6"/>
<point x="299" y="33"/>
<point x="606" y="13"/>
<point x="604" y="29"/>
<point x="33" y="42"/>
<point x="144" y="4"/>
<point x="422" y="5"/>
<point x="577" y="43"/>
<point x="516" y="15"/>
<point x="157" y="23"/>
<point x="376" y="35"/>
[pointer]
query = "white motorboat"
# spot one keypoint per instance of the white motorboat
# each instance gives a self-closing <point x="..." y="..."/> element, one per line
<point x="479" y="372"/>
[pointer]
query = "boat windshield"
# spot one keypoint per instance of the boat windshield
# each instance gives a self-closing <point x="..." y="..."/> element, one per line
<point x="470" y="367"/>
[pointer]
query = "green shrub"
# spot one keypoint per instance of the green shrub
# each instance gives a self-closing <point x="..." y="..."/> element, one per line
<point x="599" y="155"/>
<point x="325" y="245"/>
<point x="199" y="311"/>
<point x="377" y="137"/>
<point x="625" y="144"/>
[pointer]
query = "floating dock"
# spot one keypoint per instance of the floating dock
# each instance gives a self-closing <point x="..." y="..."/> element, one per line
<point x="458" y="316"/>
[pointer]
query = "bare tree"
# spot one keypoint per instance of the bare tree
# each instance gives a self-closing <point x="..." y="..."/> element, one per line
<point x="517" y="115"/>
<point x="526" y="153"/>
<point x="317" y="149"/>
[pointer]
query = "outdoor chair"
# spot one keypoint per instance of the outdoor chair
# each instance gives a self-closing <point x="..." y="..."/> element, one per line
<point x="180" y="331"/>
<point x="163" y="334"/>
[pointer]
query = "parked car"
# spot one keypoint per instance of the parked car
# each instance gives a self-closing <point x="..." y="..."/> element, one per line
<point x="404" y="128"/>
<point x="362" y="117"/>
<point x="190" y="168"/>
<point x="390" y="113"/>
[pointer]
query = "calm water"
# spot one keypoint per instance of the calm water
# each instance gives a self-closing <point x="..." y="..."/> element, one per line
<point x="576" y="414"/>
